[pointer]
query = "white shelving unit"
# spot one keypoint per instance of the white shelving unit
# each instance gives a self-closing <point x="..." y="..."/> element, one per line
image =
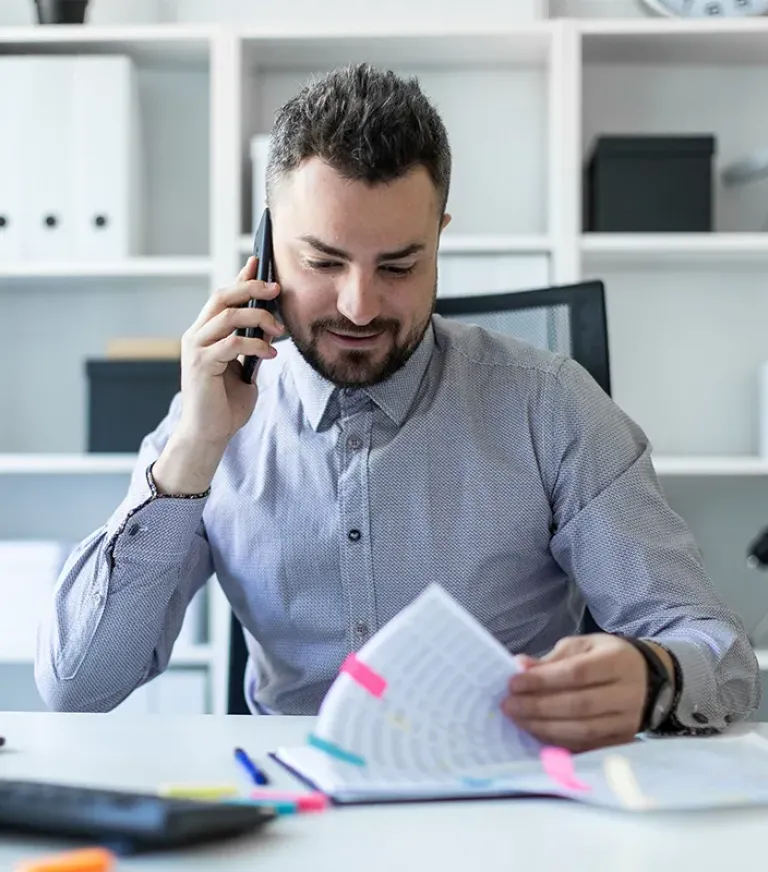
<point x="469" y="244"/>
<point x="133" y="268"/>
<point x="523" y="105"/>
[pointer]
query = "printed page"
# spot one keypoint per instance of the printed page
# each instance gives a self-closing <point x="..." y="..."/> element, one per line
<point x="420" y="702"/>
<point x="416" y="715"/>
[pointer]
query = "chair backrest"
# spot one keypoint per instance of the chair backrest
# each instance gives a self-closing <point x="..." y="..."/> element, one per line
<point x="566" y="318"/>
<point x="570" y="319"/>
<point x="238" y="659"/>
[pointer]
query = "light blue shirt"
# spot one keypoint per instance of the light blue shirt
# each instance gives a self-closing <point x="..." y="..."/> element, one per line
<point x="498" y="470"/>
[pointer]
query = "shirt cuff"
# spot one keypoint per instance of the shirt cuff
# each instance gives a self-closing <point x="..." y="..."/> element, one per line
<point x="166" y="522"/>
<point x="697" y="711"/>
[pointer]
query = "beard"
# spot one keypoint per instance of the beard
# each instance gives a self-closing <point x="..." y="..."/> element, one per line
<point x="358" y="369"/>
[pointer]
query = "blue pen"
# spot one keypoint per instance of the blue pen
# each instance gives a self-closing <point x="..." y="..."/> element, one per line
<point x="256" y="774"/>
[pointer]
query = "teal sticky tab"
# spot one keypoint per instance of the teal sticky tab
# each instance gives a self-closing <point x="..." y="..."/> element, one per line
<point x="280" y="806"/>
<point x="334" y="751"/>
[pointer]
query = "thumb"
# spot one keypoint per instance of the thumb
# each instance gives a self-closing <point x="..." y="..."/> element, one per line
<point x="568" y="647"/>
<point x="524" y="661"/>
<point x="249" y="270"/>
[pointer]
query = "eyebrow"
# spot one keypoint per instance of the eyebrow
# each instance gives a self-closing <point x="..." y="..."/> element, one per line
<point x="319" y="245"/>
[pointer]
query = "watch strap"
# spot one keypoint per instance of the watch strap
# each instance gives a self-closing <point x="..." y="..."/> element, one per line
<point x="657" y="676"/>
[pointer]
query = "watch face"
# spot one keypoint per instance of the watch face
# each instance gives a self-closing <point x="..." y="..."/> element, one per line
<point x="708" y="8"/>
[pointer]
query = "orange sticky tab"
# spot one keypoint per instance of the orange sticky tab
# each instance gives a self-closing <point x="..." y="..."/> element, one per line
<point x="86" y="860"/>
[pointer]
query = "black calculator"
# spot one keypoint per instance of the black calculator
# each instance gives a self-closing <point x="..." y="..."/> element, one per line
<point x="126" y="820"/>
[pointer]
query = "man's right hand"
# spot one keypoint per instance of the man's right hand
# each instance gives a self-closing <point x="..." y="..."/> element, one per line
<point x="215" y="401"/>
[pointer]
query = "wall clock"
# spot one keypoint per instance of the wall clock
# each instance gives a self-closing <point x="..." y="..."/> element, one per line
<point x="707" y="8"/>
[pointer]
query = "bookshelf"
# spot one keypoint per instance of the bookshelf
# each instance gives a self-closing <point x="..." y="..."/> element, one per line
<point x="523" y="104"/>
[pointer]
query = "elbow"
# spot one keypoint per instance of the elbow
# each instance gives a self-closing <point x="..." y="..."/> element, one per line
<point x="743" y="694"/>
<point x="755" y="686"/>
<point x="64" y="695"/>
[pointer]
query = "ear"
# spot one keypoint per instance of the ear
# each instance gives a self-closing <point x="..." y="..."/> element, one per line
<point x="446" y="221"/>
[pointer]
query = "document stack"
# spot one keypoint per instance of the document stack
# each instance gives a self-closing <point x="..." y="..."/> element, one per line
<point x="70" y="158"/>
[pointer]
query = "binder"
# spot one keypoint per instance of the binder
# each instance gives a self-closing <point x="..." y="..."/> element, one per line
<point x="106" y="166"/>
<point x="48" y="231"/>
<point x="12" y="88"/>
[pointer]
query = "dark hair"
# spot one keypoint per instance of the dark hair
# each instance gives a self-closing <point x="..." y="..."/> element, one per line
<point x="369" y="125"/>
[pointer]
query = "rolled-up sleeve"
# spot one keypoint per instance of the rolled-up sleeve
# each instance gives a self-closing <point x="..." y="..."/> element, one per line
<point x="120" y="599"/>
<point x="634" y="559"/>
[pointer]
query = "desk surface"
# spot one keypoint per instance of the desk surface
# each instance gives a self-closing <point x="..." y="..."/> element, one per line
<point x="541" y="835"/>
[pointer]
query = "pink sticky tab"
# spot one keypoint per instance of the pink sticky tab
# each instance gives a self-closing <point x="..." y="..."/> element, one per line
<point x="558" y="764"/>
<point x="312" y="802"/>
<point x="364" y="675"/>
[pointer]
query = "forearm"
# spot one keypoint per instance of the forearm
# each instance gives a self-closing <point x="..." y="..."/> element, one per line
<point x="120" y="603"/>
<point x="186" y="466"/>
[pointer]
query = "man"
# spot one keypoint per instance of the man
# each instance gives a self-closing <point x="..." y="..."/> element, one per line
<point x="384" y="448"/>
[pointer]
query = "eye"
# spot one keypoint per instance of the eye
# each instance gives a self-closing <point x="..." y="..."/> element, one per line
<point x="321" y="264"/>
<point x="398" y="270"/>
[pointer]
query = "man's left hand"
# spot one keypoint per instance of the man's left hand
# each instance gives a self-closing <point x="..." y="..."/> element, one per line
<point x="588" y="692"/>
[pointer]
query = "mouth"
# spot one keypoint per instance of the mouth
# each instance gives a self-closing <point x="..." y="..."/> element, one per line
<point x="356" y="340"/>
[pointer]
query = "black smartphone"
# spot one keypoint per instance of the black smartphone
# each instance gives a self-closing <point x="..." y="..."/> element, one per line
<point x="265" y="272"/>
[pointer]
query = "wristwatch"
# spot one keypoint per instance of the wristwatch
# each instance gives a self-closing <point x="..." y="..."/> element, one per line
<point x="660" y="697"/>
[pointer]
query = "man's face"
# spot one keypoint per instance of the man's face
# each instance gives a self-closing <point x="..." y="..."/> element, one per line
<point x="357" y="267"/>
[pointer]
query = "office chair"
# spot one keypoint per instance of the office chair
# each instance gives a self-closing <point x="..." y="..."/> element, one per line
<point x="568" y="318"/>
<point x="238" y="659"/>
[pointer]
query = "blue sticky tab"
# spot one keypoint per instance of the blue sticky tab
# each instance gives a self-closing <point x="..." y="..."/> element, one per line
<point x="477" y="782"/>
<point x="334" y="751"/>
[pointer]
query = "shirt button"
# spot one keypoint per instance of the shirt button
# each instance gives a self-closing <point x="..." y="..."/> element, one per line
<point x="361" y="628"/>
<point x="354" y="535"/>
<point x="354" y="443"/>
<point x="97" y="598"/>
<point x="348" y="392"/>
<point x="134" y="529"/>
<point x="700" y="718"/>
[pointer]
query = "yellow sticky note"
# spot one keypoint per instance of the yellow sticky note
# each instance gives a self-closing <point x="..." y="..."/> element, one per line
<point x="621" y="779"/>
<point x="207" y="792"/>
<point x="85" y="860"/>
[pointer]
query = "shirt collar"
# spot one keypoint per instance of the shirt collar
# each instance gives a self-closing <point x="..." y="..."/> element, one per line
<point x="394" y="396"/>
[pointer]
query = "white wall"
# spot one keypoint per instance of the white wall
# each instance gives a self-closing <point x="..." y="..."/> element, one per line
<point x="20" y="12"/>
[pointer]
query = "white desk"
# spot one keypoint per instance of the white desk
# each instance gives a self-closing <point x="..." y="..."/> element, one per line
<point x="520" y="835"/>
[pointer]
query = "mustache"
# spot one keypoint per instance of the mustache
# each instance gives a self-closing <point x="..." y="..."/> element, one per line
<point x="378" y="325"/>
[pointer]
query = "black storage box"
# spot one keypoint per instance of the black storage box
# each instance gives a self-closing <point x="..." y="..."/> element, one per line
<point x="650" y="184"/>
<point x="127" y="399"/>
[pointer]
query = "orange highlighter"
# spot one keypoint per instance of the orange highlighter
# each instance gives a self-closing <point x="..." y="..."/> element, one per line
<point x="84" y="860"/>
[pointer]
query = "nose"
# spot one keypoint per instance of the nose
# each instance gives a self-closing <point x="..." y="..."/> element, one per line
<point x="358" y="300"/>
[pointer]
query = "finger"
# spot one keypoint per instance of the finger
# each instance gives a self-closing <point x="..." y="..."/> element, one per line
<point x="584" y="734"/>
<point x="525" y="662"/>
<point x="609" y="699"/>
<point x="234" y="346"/>
<point x="235" y="296"/>
<point x="567" y="648"/>
<point x="249" y="269"/>
<point x="590" y="669"/>
<point x="229" y="320"/>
